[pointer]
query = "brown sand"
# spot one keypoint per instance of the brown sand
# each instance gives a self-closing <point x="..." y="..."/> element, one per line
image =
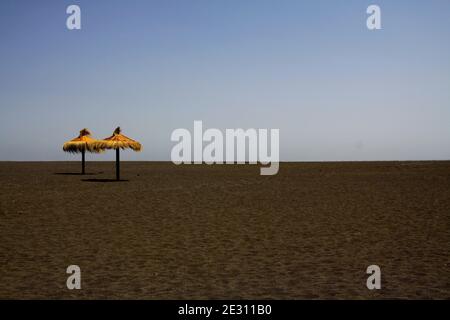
<point x="190" y="232"/>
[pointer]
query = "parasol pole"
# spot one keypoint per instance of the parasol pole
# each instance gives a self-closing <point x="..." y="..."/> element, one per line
<point x="118" y="164"/>
<point x="83" y="161"/>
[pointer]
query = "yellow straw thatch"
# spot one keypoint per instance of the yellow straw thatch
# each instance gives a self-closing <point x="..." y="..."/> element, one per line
<point x="116" y="141"/>
<point x="81" y="143"/>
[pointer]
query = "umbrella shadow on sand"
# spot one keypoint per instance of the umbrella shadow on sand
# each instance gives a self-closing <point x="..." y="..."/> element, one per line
<point x="103" y="180"/>
<point x="75" y="174"/>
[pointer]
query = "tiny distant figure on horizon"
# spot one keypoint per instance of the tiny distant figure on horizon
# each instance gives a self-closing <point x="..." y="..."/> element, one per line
<point x="117" y="141"/>
<point x="82" y="143"/>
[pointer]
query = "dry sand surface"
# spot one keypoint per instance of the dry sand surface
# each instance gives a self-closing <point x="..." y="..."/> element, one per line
<point x="201" y="232"/>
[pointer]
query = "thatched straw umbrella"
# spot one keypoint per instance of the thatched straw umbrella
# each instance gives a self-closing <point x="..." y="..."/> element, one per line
<point x="82" y="143"/>
<point x="117" y="141"/>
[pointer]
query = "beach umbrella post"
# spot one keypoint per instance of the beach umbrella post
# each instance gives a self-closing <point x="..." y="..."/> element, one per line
<point x="117" y="141"/>
<point x="83" y="161"/>
<point x="117" y="164"/>
<point x="81" y="144"/>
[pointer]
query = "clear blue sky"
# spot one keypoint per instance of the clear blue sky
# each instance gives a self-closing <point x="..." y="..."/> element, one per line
<point x="336" y="90"/>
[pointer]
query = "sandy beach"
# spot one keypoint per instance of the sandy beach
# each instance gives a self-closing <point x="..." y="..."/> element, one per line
<point x="224" y="231"/>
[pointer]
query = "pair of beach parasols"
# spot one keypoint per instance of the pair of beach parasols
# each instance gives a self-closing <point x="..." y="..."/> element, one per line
<point x="84" y="142"/>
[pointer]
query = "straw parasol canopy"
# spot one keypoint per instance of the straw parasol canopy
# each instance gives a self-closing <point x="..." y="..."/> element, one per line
<point x="82" y="143"/>
<point x="117" y="141"/>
